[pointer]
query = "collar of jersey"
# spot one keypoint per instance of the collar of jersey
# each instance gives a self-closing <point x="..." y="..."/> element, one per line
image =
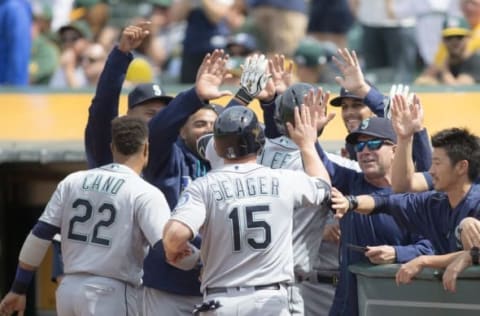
<point x="285" y="142"/>
<point x="240" y="167"/>
<point x="116" y="167"/>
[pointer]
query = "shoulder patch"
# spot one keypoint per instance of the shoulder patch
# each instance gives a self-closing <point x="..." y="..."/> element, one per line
<point x="184" y="198"/>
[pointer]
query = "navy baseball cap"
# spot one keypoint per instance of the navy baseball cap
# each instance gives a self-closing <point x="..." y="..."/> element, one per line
<point x="146" y="92"/>
<point x="344" y="93"/>
<point x="378" y="127"/>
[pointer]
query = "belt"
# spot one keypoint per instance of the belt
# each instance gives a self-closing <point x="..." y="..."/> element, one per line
<point x="331" y="279"/>
<point x="215" y="290"/>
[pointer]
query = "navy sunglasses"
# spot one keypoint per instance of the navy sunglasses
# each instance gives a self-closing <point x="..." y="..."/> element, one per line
<point x="372" y="144"/>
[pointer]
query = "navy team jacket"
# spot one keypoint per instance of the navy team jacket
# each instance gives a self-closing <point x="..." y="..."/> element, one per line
<point x="172" y="165"/>
<point x="365" y="230"/>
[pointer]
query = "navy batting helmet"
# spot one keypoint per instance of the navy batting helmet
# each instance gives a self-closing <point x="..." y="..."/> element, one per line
<point x="237" y="133"/>
<point x="286" y="103"/>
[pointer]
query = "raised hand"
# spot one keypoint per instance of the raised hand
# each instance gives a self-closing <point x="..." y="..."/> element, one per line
<point x="352" y="79"/>
<point x="13" y="302"/>
<point x="407" y="119"/>
<point x="304" y="130"/>
<point x="317" y="101"/>
<point x="253" y="80"/>
<point x="211" y="74"/>
<point x="133" y="35"/>
<point x="282" y="78"/>
<point x="394" y="90"/>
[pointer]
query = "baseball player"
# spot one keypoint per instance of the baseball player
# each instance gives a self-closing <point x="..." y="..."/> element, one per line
<point x="281" y="152"/>
<point x="107" y="217"/>
<point x="144" y="101"/>
<point x="308" y="223"/>
<point x="248" y="207"/>
<point x="173" y="162"/>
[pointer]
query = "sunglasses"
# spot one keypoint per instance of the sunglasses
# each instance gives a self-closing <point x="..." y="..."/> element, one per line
<point x="90" y="60"/>
<point x="69" y="38"/>
<point x="454" y="37"/>
<point x="372" y="144"/>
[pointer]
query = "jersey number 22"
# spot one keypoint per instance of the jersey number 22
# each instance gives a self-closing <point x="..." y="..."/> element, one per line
<point x="85" y="217"/>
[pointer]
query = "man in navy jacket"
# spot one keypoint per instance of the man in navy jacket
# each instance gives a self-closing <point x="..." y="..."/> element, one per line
<point x="384" y="240"/>
<point x="173" y="161"/>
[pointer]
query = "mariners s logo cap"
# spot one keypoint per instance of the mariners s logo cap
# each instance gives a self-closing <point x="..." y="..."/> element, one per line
<point x="145" y="92"/>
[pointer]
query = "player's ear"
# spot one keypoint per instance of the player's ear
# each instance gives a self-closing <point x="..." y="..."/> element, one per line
<point x="145" y="153"/>
<point x="146" y="148"/>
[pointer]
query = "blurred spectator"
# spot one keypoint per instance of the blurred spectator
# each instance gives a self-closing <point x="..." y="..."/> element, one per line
<point x="471" y="12"/>
<point x="74" y="40"/>
<point x="430" y="17"/>
<point x="313" y="59"/>
<point x="388" y="43"/>
<point x="108" y="36"/>
<point x="330" y="20"/>
<point x="61" y="13"/>
<point x="461" y="68"/>
<point x="279" y="24"/>
<point x="44" y="57"/>
<point x="93" y="61"/>
<point x="207" y="21"/>
<point x="94" y="12"/>
<point x="15" y="42"/>
<point x="161" y="20"/>
<point x="241" y="44"/>
<point x="168" y="34"/>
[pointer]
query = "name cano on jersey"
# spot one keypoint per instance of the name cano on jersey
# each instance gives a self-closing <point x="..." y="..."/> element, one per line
<point x="102" y="183"/>
<point x="245" y="187"/>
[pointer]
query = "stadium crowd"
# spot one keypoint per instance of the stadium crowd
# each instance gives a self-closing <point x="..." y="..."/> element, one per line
<point x="426" y="42"/>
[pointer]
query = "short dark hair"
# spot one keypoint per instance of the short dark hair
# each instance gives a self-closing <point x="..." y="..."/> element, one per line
<point x="129" y="134"/>
<point x="460" y="144"/>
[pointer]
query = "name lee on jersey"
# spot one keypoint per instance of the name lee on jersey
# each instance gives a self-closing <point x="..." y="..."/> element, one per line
<point x="101" y="183"/>
<point x="244" y="187"/>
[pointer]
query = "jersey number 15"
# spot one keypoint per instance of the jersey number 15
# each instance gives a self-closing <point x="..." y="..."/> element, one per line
<point x="252" y="224"/>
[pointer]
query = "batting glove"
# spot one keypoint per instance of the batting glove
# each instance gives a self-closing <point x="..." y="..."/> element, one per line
<point x="394" y="90"/>
<point x="254" y="78"/>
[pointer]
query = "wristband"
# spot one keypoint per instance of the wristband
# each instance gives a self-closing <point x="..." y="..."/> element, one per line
<point x="352" y="202"/>
<point x="23" y="277"/>
<point x="475" y="254"/>
<point x="243" y="96"/>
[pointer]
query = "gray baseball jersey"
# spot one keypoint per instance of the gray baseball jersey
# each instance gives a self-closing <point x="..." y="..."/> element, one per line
<point x="308" y="222"/>
<point x="244" y="213"/>
<point x="107" y="216"/>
